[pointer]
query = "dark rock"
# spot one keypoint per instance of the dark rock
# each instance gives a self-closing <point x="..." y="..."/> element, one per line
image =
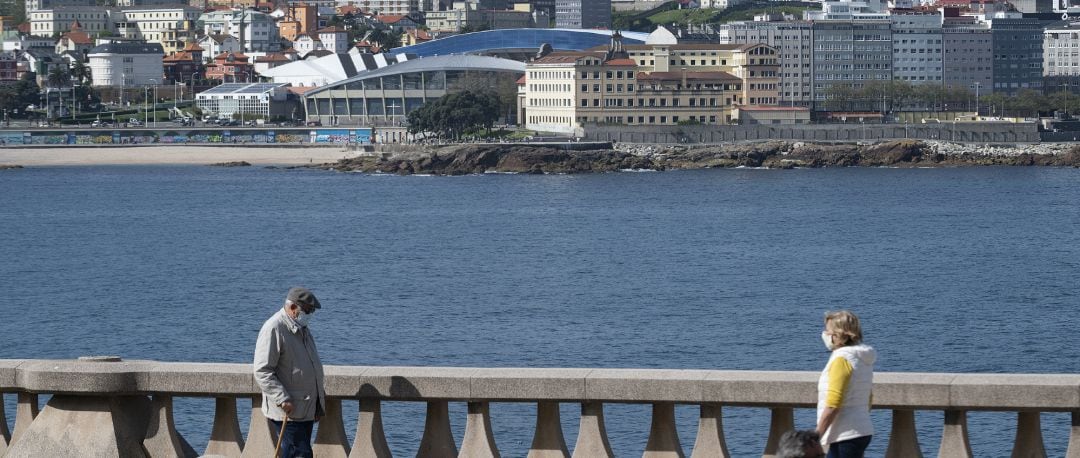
<point x="10" y="167"/>
<point x="232" y="164"/>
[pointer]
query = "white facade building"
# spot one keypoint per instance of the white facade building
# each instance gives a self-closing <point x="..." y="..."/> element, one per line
<point x="252" y="99"/>
<point x="48" y="22"/>
<point x="1061" y="49"/>
<point x="125" y="64"/>
<point x="334" y="39"/>
<point x="388" y="7"/>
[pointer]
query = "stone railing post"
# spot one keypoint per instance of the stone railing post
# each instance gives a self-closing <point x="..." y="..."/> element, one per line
<point x="330" y="440"/>
<point x="548" y="441"/>
<point x="1074" y="437"/>
<point x="226" y="438"/>
<point x="479" y="441"/>
<point x="162" y="439"/>
<point x="1029" y="441"/>
<point x="438" y="440"/>
<point x="592" y="438"/>
<point x="903" y="439"/>
<point x="710" y="441"/>
<point x="261" y="436"/>
<point x="25" y="413"/>
<point x="663" y="436"/>
<point x="5" y="435"/>
<point x="782" y="421"/>
<point x="370" y="439"/>
<point x="954" y="436"/>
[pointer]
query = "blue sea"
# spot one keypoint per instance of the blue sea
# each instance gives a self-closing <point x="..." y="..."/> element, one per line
<point x="951" y="270"/>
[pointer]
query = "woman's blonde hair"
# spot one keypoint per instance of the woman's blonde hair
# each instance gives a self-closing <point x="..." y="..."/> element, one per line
<point x="845" y="326"/>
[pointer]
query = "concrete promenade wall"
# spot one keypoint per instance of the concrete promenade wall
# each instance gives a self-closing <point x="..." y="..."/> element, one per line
<point x="108" y="407"/>
<point x="981" y="132"/>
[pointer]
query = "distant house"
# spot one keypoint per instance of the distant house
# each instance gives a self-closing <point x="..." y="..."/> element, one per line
<point x="76" y="40"/>
<point x="184" y="66"/>
<point x="231" y="67"/>
<point x="41" y="62"/>
<point x="415" y="37"/>
<point x="271" y="60"/>
<point x="217" y="43"/>
<point x="304" y="44"/>
<point x="124" y="64"/>
<point x="397" y="22"/>
<point x="334" y="39"/>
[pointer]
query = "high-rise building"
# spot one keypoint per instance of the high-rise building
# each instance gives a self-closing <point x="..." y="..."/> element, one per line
<point x="1018" y="53"/>
<point x="917" y="47"/>
<point x="583" y="14"/>
<point x="967" y="53"/>
<point x="794" y="42"/>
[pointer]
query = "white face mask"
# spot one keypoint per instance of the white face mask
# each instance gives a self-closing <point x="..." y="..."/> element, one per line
<point x="825" y="337"/>
<point x="303" y="319"/>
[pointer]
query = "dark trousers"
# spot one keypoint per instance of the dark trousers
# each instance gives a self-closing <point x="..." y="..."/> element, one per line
<point x="296" y="442"/>
<point x="851" y="448"/>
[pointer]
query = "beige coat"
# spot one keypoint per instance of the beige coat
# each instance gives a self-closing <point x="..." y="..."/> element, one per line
<point x="287" y="368"/>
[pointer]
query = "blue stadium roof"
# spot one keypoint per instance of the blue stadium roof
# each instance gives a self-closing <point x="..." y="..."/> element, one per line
<point x="493" y="41"/>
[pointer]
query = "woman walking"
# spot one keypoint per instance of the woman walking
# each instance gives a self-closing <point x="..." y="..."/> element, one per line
<point x="843" y="408"/>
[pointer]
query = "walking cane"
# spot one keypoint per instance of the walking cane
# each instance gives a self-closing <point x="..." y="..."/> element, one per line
<point x="277" y="448"/>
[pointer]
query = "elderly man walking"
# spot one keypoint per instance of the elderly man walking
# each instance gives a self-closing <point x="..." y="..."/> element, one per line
<point x="290" y="374"/>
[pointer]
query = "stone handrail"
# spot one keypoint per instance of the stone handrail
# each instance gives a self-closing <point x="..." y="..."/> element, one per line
<point x="137" y="396"/>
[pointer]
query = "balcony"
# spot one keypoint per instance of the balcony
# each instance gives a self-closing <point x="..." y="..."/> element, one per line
<point x="108" y="407"/>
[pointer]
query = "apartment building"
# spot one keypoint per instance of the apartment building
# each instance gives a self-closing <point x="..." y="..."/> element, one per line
<point x="34" y="5"/>
<point x="126" y="64"/>
<point x="57" y="20"/>
<point x="389" y="7"/>
<point x="583" y="14"/>
<point x="850" y="54"/>
<point x="967" y="54"/>
<point x="1061" y="49"/>
<point x="917" y="47"/>
<point x="168" y="25"/>
<point x="1018" y="53"/>
<point x="794" y="42"/>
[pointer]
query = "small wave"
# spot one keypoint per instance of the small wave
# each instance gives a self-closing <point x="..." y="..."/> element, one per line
<point x="499" y="172"/>
<point x="637" y="170"/>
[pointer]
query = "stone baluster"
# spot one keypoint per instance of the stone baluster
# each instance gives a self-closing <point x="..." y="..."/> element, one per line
<point x="710" y="441"/>
<point x="592" y="438"/>
<point x="1029" y="441"/>
<point x="262" y="436"/>
<point x="1074" y="437"/>
<point x="782" y="421"/>
<point x="226" y="438"/>
<point x="162" y="439"/>
<point x="954" y="436"/>
<point x="370" y="440"/>
<point x="25" y="413"/>
<point x="438" y="440"/>
<point x="479" y="441"/>
<point x="548" y="441"/>
<point x="330" y="440"/>
<point x="5" y="435"/>
<point x="903" y="439"/>
<point x="663" y="435"/>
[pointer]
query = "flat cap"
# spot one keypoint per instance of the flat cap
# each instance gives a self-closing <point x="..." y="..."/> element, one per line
<point x="301" y="295"/>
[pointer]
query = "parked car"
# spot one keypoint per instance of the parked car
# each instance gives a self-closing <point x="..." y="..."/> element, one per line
<point x="134" y="123"/>
<point x="101" y="123"/>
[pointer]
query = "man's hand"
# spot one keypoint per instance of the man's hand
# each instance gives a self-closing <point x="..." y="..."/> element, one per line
<point x="287" y="406"/>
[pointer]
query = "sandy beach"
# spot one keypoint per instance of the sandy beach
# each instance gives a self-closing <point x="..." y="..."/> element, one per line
<point x="171" y="154"/>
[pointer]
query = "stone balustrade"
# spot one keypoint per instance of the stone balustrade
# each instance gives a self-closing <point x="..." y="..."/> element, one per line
<point x="109" y="407"/>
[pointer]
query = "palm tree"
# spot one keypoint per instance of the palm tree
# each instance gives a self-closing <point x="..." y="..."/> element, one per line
<point x="59" y="77"/>
<point x="81" y="73"/>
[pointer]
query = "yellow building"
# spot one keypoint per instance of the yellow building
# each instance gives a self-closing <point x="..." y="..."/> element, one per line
<point x="646" y="85"/>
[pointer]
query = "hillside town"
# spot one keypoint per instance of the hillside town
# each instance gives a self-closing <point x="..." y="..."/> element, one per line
<point x="556" y="66"/>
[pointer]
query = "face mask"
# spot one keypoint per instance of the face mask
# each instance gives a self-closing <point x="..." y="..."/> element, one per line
<point x="825" y="337"/>
<point x="303" y="319"/>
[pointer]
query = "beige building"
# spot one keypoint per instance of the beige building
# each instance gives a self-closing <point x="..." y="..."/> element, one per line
<point x="170" y="26"/>
<point x="646" y="85"/>
<point x="55" y="21"/>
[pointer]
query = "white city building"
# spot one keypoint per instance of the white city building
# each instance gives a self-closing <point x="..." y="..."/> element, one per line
<point x="126" y="64"/>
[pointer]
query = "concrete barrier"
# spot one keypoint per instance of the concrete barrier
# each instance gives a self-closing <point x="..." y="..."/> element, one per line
<point x="109" y="407"/>
<point x="976" y="132"/>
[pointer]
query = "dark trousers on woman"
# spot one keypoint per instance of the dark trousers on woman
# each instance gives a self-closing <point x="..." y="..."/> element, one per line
<point x="296" y="442"/>
<point x="851" y="448"/>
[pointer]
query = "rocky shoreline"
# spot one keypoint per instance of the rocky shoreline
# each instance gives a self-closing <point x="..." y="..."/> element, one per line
<point x="520" y="158"/>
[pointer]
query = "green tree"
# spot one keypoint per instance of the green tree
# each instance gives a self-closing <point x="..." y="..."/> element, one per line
<point x="81" y="73"/>
<point x="455" y="113"/>
<point x="58" y="77"/>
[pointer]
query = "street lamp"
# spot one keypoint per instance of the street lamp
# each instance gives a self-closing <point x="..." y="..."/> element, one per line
<point x="977" y="85"/>
<point x="146" y="110"/>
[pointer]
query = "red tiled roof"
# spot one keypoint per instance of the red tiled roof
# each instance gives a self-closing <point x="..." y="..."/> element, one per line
<point x="619" y="62"/>
<point x="332" y="29"/>
<point x="390" y="19"/>
<point x="521" y="80"/>
<point x="192" y="46"/>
